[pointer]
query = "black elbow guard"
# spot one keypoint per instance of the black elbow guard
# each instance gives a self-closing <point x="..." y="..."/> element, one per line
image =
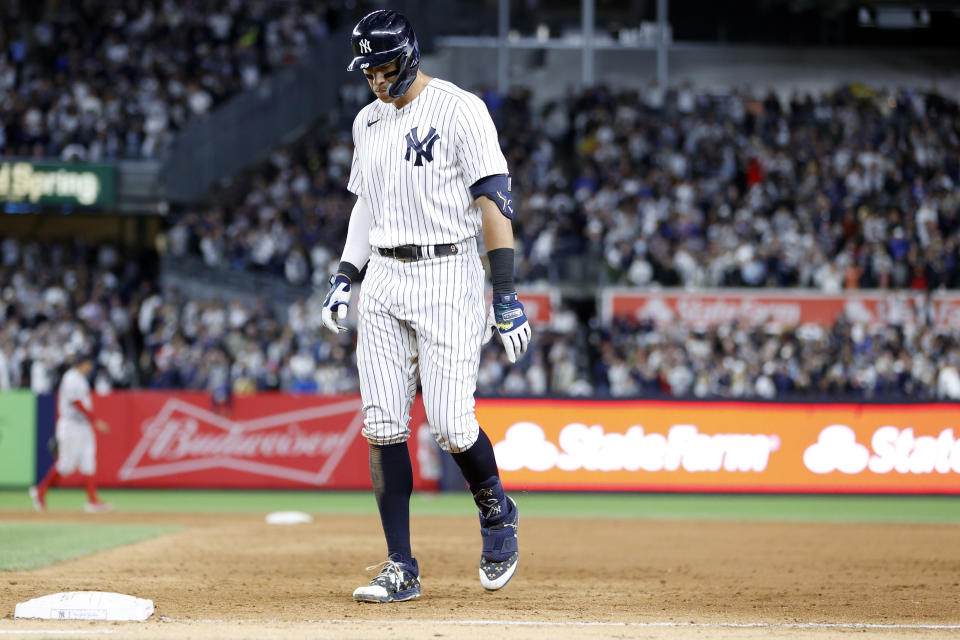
<point x="497" y="188"/>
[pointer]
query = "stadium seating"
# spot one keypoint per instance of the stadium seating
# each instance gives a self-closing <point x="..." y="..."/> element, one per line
<point x="93" y="83"/>
<point x="831" y="192"/>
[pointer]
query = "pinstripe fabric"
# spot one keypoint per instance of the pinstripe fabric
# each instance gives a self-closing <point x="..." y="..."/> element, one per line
<point x="423" y="317"/>
<point x="431" y="203"/>
<point x="414" y="166"/>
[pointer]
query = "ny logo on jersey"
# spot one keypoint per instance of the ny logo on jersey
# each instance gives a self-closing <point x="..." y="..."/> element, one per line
<point x="365" y="46"/>
<point x="423" y="148"/>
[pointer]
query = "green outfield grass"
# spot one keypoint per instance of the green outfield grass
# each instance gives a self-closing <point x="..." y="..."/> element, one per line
<point x="29" y="545"/>
<point x="822" y="508"/>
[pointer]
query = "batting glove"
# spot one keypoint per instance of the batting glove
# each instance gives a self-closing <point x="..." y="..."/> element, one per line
<point x="337" y="301"/>
<point x="508" y="317"/>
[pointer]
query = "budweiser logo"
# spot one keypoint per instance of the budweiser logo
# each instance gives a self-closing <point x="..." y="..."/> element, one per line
<point x="295" y="445"/>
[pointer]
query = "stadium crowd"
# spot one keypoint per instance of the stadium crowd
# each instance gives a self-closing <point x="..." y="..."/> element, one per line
<point x="97" y="80"/>
<point x="843" y="190"/>
<point x="60" y="301"/>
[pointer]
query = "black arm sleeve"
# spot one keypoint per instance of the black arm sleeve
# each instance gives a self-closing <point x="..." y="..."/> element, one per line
<point x="501" y="271"/>
<point x="350" y="271"/>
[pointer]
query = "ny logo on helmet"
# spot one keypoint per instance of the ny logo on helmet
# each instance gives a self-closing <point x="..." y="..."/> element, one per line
<point x="365" y="46"/>
<point x="423" y="148"/>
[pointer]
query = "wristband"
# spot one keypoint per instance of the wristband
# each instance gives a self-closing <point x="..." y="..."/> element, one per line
<point x="347" y="269"/>
<point x="501" y="271"/>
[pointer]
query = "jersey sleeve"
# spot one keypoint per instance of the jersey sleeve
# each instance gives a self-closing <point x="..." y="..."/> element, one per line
<point x="355" y="183"/>
<point x="75" y="389"/>
<point x="478" y="146"/>
<point x="85" y="397"/>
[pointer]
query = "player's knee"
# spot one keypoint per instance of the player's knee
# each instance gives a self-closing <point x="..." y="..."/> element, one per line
<point x="382" y="428"/>
<point x="456" y="437"/>
<point x="383" y="437"/>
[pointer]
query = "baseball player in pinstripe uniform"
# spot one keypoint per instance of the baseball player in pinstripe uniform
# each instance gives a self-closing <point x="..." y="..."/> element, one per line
<point x="429" y="177"/>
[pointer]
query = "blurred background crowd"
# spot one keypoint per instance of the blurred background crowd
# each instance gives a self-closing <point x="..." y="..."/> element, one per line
<point x="60" y="301"/>
<point x="849" y="188"/>
<point x="841" y="190"/>
<point x="118" y="80"/>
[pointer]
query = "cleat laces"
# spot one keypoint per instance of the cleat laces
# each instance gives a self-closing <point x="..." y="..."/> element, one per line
<point x="390" y="573"/>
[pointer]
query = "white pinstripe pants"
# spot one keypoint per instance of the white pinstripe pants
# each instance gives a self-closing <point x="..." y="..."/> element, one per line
<point x="425" y="317"/>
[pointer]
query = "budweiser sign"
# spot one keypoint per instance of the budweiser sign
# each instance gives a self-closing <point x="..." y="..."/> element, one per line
<point x="261" y="441"/>
<point x="292" y="445"/>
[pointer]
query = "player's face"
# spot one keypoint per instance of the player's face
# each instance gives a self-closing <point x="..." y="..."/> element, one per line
<point x="380" y="78"/>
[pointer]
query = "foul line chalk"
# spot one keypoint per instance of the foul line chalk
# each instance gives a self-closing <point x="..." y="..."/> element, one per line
<point x="640" y="625"/>
<point x="53" y="632"/>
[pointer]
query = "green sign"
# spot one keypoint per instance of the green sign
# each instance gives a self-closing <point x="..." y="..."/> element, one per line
<point x="58" y="183"/>
<point x="18" y="438"/>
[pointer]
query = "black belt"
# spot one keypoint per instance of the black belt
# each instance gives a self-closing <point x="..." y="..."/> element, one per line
<point x="412" y="252"/>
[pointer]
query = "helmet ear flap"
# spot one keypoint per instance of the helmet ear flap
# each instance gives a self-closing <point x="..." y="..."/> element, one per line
<point x="408" y="63"/>
<point x="394" y="90"/>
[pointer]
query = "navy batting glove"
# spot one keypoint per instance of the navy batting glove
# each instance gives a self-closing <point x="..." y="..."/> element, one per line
<point x="337" y="300"/>
<point x="508" y="317"/>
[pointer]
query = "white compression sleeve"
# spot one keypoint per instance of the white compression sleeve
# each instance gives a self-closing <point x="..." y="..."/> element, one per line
<point x="356" y="250"/>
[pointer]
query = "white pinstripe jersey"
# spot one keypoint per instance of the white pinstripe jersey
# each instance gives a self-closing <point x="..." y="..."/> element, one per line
<point x="414" y="166"/>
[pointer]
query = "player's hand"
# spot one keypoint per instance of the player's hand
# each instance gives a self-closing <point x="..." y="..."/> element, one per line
<point x="101" y="426"/>
<point x="337" y="301"/>
<point x="510" y="321"/>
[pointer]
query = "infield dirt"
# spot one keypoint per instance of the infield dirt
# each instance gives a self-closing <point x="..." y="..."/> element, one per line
<point x="234" y="576"/>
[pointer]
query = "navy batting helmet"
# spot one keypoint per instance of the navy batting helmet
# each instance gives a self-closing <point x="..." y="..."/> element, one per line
<point x="382" y="37"/>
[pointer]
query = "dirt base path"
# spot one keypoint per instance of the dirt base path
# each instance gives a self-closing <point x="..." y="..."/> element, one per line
<point x="236" y="577"/>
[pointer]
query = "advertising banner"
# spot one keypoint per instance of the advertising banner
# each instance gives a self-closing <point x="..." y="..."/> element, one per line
<point x="725" y="446"/>
<point x="57" y="183"/>
<point x="18" y="439"/>
<point x="538" y="303"/>
<point x="752" y="307"/>
<point x="262" y="441"/>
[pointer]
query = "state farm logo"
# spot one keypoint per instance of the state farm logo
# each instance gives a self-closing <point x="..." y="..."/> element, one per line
<point x="707" y="311"/>
<point x="894" y="449"/>
<point x="593" y="449"/>
<point x="295" y="445"/>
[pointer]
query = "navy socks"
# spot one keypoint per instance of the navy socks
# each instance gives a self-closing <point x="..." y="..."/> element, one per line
<point x="392" y="477"/>
<point x="479" y="468"/>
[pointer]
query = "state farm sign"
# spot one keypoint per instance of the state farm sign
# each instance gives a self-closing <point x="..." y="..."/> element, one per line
<point x="894" y="450"/>
<point x="591" y="448"/>
<point x="752" y="307"/>
<point x="724" y="446"/>
<point x="269" y="440"/>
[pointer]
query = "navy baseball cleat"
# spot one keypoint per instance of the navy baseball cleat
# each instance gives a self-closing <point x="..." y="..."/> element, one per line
<point x="500" y="556"/>
<point x="396" y="582"/>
